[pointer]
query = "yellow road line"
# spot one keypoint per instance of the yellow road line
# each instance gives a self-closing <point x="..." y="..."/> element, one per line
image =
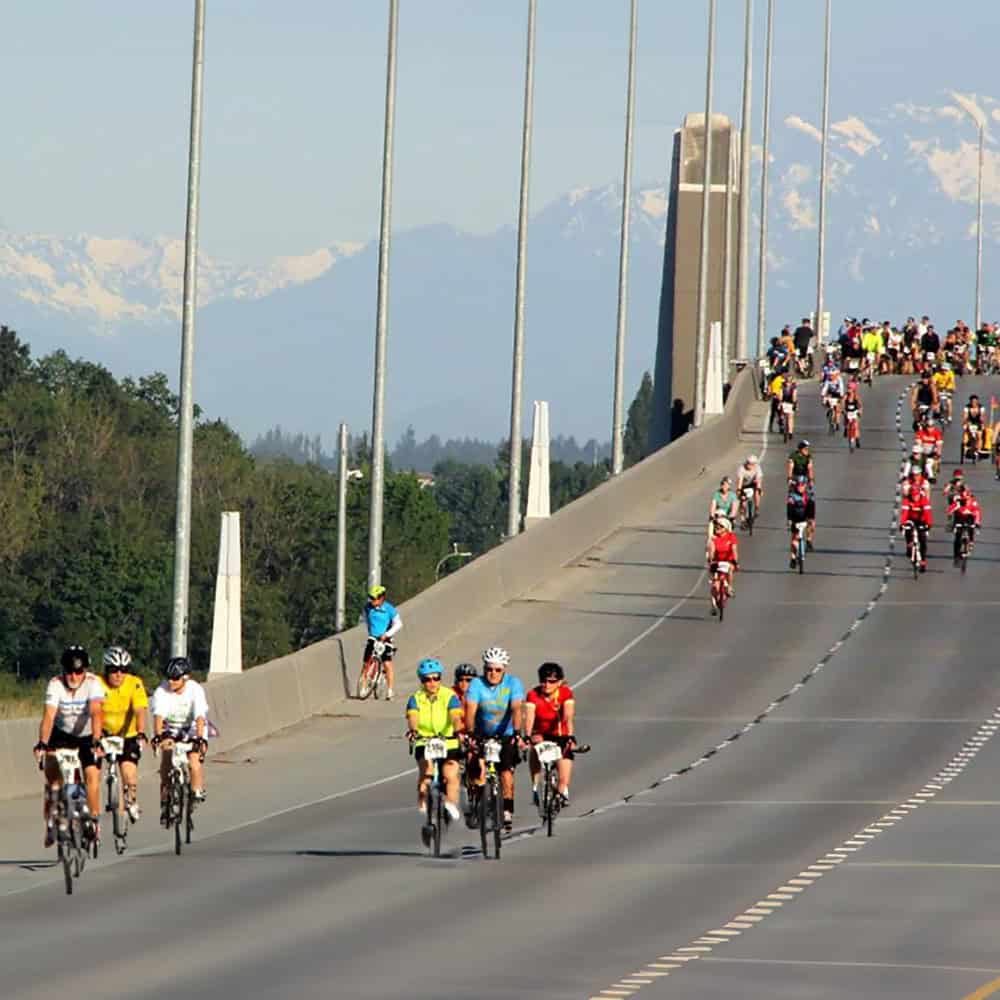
<point x="987" y="990"/>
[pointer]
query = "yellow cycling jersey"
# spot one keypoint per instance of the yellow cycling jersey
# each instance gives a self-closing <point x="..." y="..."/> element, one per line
<point x="945" y="381"/>
<point x="777" y="384"/>
<point x="120" y="706"/>
<point x="434" y="715"/>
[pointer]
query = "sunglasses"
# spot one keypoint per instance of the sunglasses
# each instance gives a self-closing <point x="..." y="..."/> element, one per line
<point x="550" y="680"/>
<point x="493" y="670"/>
<point x="115" y="670"/>
<point x="464" y="680"/>
<point x="435" y="678"/>
<point x="76" y="670"/>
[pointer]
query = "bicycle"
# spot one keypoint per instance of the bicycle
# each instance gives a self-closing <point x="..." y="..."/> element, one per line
<point x="372" y="678"/>
<point x="832" y="415"/>
<point x="489" y="800"/>
<point x="180" y="798"/>
<point x="799" y="541"/>
<point x="963" y="543"/>
<point x="719" y="588"/>
<point x="69" y="815"/>
<point x="435" y="751"/>
<point x="914" y="546"/>
<point x="785" y="411"/>
<point x="748" y="504"/>
<point x="113" y="747"/>
<point x="853" y="429"/>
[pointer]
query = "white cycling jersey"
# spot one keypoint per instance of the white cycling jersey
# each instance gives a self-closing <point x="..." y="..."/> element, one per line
<point x="745" y="477"/>
<point x="73" y="707"/>
<point x="180" y="709"/>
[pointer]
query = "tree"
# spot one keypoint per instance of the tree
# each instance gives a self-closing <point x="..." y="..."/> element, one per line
<point x="636" y="442"/>
<point x="470" y="494"/>
<point x="15" y="358"/>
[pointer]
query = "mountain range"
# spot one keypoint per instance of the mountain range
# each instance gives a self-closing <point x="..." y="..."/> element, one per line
<point x="291" y="342"/>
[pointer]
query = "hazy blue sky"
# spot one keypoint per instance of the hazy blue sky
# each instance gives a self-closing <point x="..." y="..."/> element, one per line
<point x="95" y="118"/>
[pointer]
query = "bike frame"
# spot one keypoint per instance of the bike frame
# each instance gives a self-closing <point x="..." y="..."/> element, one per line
<point x="67" y="810"/>
<point x="113" y="747"/>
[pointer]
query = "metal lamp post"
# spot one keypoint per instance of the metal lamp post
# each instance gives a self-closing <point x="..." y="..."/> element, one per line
<point x="762" y="262"/>
<point x="821" y="249"/>
<point x="185" y="429"/>
<point x="979" y="228"/>
<point x="742" y="345"/>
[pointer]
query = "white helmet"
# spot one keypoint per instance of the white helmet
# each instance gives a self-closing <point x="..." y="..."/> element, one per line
<point x="917" y="450"/>
<point x="496" y="654"/>
<point x="723" y="523"/>
<point x="117" y="656"/>
<point x="752" y="460"/>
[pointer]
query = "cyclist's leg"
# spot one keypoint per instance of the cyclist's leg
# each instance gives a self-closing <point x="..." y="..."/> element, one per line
<point x="565" y="768"/>
<point x="92" y="779"/>
<point x="53" y="782"/>
<point x="423" y="778"/>
<point x="166" y="759"/>
<point x="390" y="673"/>
<point x="449" y="771"/>
<point x="197" y="767"/>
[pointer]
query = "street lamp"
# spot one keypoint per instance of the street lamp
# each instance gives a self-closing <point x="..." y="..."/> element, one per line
<point x="455" y="553"/>
<point x="979" y="228"/>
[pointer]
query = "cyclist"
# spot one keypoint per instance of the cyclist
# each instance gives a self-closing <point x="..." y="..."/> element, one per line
<point x="797" y="512"/>
<point x="894" y="347"/>
<point x="724" y="501"/>
<point x="722" y="547"/>
<point x="964" y="509"/>
<point x="775" y="388"/>
<point x="832" y="392"/>
<point x="973" y="424"/>
<point x="465" y="673"/>
<point x="800" y="463"/>
<point x="790" y="401"/>
<point x="493" y="708"/>
<point x="916" y="511"/>
<point x="944" y="382"/>
<point x="852" y="405"/>
<point x="383" y="622"/>
<point x="125" y="705"/>
<point x="749" y="474"/>
<point x="435" y="710"/>
<point x="180" y="712"/>
<point x="72" y="719"/>
<point x="929" y="438"/>
<point x="923" y="398"/>
<point x="872" y="346"/>
<point x="549" y="714"/>
<point x="954" y="484"/>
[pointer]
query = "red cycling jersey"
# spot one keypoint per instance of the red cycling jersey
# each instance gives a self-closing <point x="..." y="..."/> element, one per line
<point x="917" y="508"/>
<point x="965" y="506"/>
<point x="929" y="439"/>
<point x="724" y="547"/>
<point x="549" y="711"/>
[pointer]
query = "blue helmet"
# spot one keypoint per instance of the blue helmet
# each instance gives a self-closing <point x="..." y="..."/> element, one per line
<point x="429" y="666"/>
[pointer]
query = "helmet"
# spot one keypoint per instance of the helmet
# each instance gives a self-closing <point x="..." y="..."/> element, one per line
<point x="752" y="460"/>
<point x="464" y="670"/>
<point x="551" y="670"/>
<point x="429" y="666"/>
<point x="176" y="668"/>
<point x="496" y="654"/>
<point x="958" y="474"/>
<point x="723" y="524"/>
<point x="803" y="444"/>
<point x="117" y="656"/>
<point x="916" y="451"/>
<point x="376" y="592"/>
<point x="945" y="367"/>
<point x="73" y="653"/>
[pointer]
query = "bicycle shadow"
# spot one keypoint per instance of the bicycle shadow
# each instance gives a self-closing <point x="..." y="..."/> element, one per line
<point x="29" y="865"/>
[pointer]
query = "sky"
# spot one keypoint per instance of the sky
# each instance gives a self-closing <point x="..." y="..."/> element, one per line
<point x="294" y="98"/>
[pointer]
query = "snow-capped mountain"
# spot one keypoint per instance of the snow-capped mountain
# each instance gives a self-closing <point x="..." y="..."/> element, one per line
<point x="103" y="282"/>
<point x="290" y="342"/>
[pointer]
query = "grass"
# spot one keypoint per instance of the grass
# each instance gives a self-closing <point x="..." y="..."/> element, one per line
<point x="20" y="699"/>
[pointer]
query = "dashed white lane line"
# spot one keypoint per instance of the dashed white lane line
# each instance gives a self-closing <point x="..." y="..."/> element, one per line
<point x="758" y="912"/>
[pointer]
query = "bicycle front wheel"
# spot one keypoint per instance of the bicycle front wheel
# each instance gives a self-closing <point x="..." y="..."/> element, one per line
<point x="485" y="805"/>
<point x="551" y="780"/>
<point x="497" y="821"/>
<point x="438" y="800"/>
<point x="366" y="679"/>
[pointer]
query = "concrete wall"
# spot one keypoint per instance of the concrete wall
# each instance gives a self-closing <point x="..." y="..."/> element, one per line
<point x="287" y="690"/>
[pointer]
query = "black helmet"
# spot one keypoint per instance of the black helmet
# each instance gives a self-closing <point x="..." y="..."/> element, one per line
<point x="73" y="653"/>
<point x="178" y="667"/>
<point x="551" y="670"/>
<point x="464" y="670"/>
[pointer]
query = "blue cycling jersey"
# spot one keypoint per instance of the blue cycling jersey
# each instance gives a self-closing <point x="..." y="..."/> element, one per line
<point x="493" y="715"/>
<point x="379" y="619"/>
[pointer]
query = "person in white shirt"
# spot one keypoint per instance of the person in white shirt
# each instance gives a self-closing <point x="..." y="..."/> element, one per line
<point x="180" y="712"/>
<point x="72" y="720"/>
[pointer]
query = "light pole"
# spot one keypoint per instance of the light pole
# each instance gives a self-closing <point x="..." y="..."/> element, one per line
<point x="742" y="344"/>
<point x="762" y="263"/>
<point x="185" y="422"/>
<point x="514" y="473"/>
<point x="454" y="554"/>
<point x="979" y="227"/>
<point x="382" y="313"/>
<point x="340" y="611"/>
<point x="617" y="422"/>
<point x="821" y="251"/>
<point x="706" y="195"/>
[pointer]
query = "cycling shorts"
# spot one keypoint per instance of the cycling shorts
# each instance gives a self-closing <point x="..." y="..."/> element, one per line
<point x="66" y="741"/>
<point x="390" y="650"/>
<point x="131" y="751"/>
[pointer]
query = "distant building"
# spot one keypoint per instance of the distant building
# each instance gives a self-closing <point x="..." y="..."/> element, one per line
<point x="673" y="380"/>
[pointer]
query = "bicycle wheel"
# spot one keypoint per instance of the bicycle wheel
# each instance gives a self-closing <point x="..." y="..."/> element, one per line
<point x="484" y="802"/>
<point x="497" y="821"/>
<point x="551" y="799"/>
<point x="800" y="555"/>
<point x="915" y="557"/>
<point x="366" y="679"/>
<point x="188" y="815"/>
<point x="177" y="812"/>
<point x="381" y="683"/>
<point x="751" y="515"/>
<point x="438" y="800"/>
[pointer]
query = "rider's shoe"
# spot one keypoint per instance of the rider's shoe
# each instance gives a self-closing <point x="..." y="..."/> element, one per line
<point x="508" y="820"/>
<point x="472" y="819"/>
<point x="791" y="563"/>
<point x="857" y="442"/>
<point x="133" y="811"/>
<point x="809" y="546"/>
<point x="425" y="835"/>
<point x="164" y="814"/>
<point x="534" y="796"/>
<point x="451" y="812"/>
<point x="564" y="798"/>
<point x="389" y="694"/>
<point x="50" y="835"/>
<point x="199" y="794"/>
<point x="923" y="565"/>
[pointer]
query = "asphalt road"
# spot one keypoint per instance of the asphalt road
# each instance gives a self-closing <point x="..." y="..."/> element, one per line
<point x="336" y="898"/>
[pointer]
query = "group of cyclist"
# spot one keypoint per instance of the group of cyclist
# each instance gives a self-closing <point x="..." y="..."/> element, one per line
<point x="488" y="705"/>
<point x="81" y="708"/>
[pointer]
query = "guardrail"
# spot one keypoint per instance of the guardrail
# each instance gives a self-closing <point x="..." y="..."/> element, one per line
<point x="285" y="691"/>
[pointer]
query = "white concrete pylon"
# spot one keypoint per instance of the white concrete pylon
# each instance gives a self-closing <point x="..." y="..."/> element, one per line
<point x="227" y="636"/>
<point x="713" y="372"/>
<point x="538" y="473"/>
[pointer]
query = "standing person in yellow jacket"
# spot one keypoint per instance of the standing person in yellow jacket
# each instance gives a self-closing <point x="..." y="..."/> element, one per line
<point x="125" y="704"/>
<point x="435" y="711"/>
